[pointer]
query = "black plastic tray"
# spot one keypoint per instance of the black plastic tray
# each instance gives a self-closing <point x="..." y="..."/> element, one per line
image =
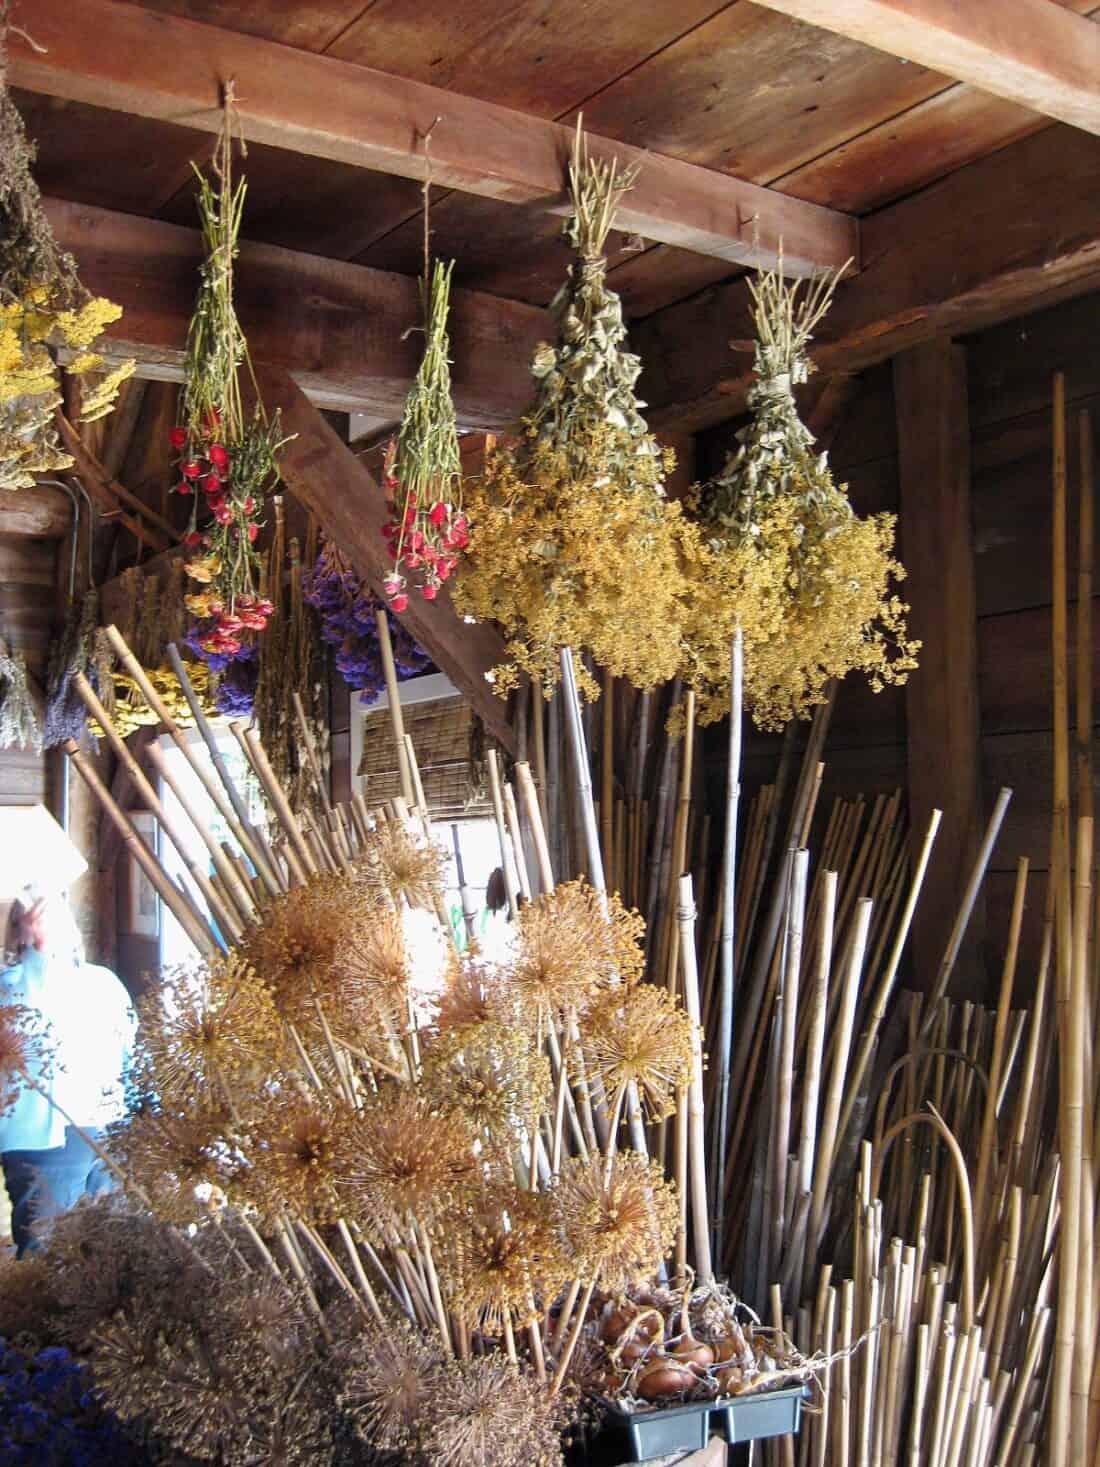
<point x="747" y="1418"/>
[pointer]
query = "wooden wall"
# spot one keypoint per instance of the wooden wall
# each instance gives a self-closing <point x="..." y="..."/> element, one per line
<point x="1009" y="374"/>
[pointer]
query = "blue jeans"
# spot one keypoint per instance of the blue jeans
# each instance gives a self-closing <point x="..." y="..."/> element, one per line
<point x="42" y="1184"/>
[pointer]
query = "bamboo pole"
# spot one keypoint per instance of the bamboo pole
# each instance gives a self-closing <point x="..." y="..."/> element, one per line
<point x="226" y="919"/>
<point x="970" y="894"/>
<point x="696" y="1121"/>
<point x="607" y="770"/>
<point x="788" y="1015"/>
<point x="538" y="719"/>
<point x="1008" y="976"/>
<point x="721" y="1116"/>
<point x="196" y="929"/>
<point x="393" y="697"/>
<point x="507" y="858"/>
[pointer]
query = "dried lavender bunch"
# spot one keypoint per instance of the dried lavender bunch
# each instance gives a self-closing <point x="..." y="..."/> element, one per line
<point x="348" y="611"/>
<point x="66" y="715"/>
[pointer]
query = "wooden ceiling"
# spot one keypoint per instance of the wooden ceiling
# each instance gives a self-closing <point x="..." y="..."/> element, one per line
<point x="739" y="89"/>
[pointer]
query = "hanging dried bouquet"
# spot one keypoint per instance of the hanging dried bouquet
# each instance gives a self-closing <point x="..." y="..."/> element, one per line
<point x="227" y="457"/>
<point x="44" y="312"/>
<point x="572" y="540"/>
<point x="423" y="471"/>
<point x="812" y="582"/>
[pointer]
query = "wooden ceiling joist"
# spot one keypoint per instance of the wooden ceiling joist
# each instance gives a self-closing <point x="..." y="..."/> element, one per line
<point x="342" y="330"/>
<point x="324" y="475"/>
<point x="1032" y="52"/>
<point x="1010" y="234"/>
<point x="120" y="56"/>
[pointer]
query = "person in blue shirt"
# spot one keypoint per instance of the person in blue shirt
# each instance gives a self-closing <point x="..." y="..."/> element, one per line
<point x="85" y="1013"/>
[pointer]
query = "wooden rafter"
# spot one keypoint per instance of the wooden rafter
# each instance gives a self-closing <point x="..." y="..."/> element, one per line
<point x="119" y="56"/>
<point x="342" y="330"/>
<point x="1006" y="235"/>
<point x="1032" y="52"/>
<point x="325" y="476"/>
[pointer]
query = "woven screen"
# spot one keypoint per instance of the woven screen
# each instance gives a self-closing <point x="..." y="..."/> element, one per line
<point x="441" y="732"/>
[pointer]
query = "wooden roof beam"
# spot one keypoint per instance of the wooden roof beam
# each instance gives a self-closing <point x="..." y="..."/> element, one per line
<point x="1009" y="234"/>
<point x="1032" y="52"/>
<point x="341" y="330"/>
<point x="119" y="56"/>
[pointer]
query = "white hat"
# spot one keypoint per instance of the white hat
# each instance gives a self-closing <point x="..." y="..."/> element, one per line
<point x="35" y="853"/>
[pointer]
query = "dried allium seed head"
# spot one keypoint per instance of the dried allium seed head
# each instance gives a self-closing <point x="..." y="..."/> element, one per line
<point x="208" y="1031"/>
<point x="619" y="1229"/>
<point x="184" y="1161"/>
<point x="495" y="1079"/>
<point x="501" y="1257"/>
<point x="404" y="1158"/>
<point x="640" y="1035"/>
<point x="406" y="865"/>
<point x="568" y="951"/>
<point x="474" y="994"/>
<point x="296" y="1155"/>
<point x="298" y="946"/>
<point x="484" y="1413"/>
<point x="388" y="1371"/>
<point x="16" y="1049"/>
<point x="374" y="977"/>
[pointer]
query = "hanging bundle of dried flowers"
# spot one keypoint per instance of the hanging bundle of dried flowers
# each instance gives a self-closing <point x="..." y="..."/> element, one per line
<point x="153" y="616"/>
<point x="44" y="309"/>
<point x="812" y="581"/>
<point x="423" y="471"/>
<point x="227" y="458"/>
<point x="19" y="725"/>
<point x="348" y="609"/>
<point x="572" y="540"/>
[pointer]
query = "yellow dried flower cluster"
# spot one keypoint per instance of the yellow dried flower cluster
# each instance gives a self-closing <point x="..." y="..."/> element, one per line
<point x="810" y="582"/>
<point x="572" y="541"/>
<point x="568" y="555"/>
<point x="31" y="329"/>
<point x="44" y="311"/>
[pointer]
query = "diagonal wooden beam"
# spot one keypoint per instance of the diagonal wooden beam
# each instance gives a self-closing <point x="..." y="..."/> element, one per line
<point x="324" y="475"/>
<point x="1006" y="235"/>
<point x="341" y="330"/>
<point x="1031" y="52"/>
<point x="128" y="59"/>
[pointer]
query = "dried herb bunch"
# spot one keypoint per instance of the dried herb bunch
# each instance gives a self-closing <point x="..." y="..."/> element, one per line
<point x="811" y="581"/>
<point x="228" y="458"/>
<point x="423" y="472"/>
<point x="573" y="542"/>
<point x="44" y="310"/>
<point x="20" y="727"/>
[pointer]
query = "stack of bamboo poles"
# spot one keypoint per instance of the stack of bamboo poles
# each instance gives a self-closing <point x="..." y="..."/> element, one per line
<point x="902" y="1181"/>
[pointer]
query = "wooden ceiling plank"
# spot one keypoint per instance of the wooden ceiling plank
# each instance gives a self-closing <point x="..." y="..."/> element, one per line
<point x="341" y="329"/>
<point x="324" y="475"/>
<point x="968" y="252"/>
<point x="128" y="59"/>
<point x="1031" y="52"/>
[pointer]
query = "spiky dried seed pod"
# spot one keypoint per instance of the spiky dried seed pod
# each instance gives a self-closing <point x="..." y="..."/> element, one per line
<point x="484" y="1412"/>
<point x="640" y="1036"/>
<point x="404" y="1157"/>
<point x="502" y="1256"/>
<point x="568" y="951"/>
<point x="616" y="1228"/>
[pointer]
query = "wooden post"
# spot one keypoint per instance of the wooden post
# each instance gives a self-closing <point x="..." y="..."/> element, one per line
<point x="941" y="698"/>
